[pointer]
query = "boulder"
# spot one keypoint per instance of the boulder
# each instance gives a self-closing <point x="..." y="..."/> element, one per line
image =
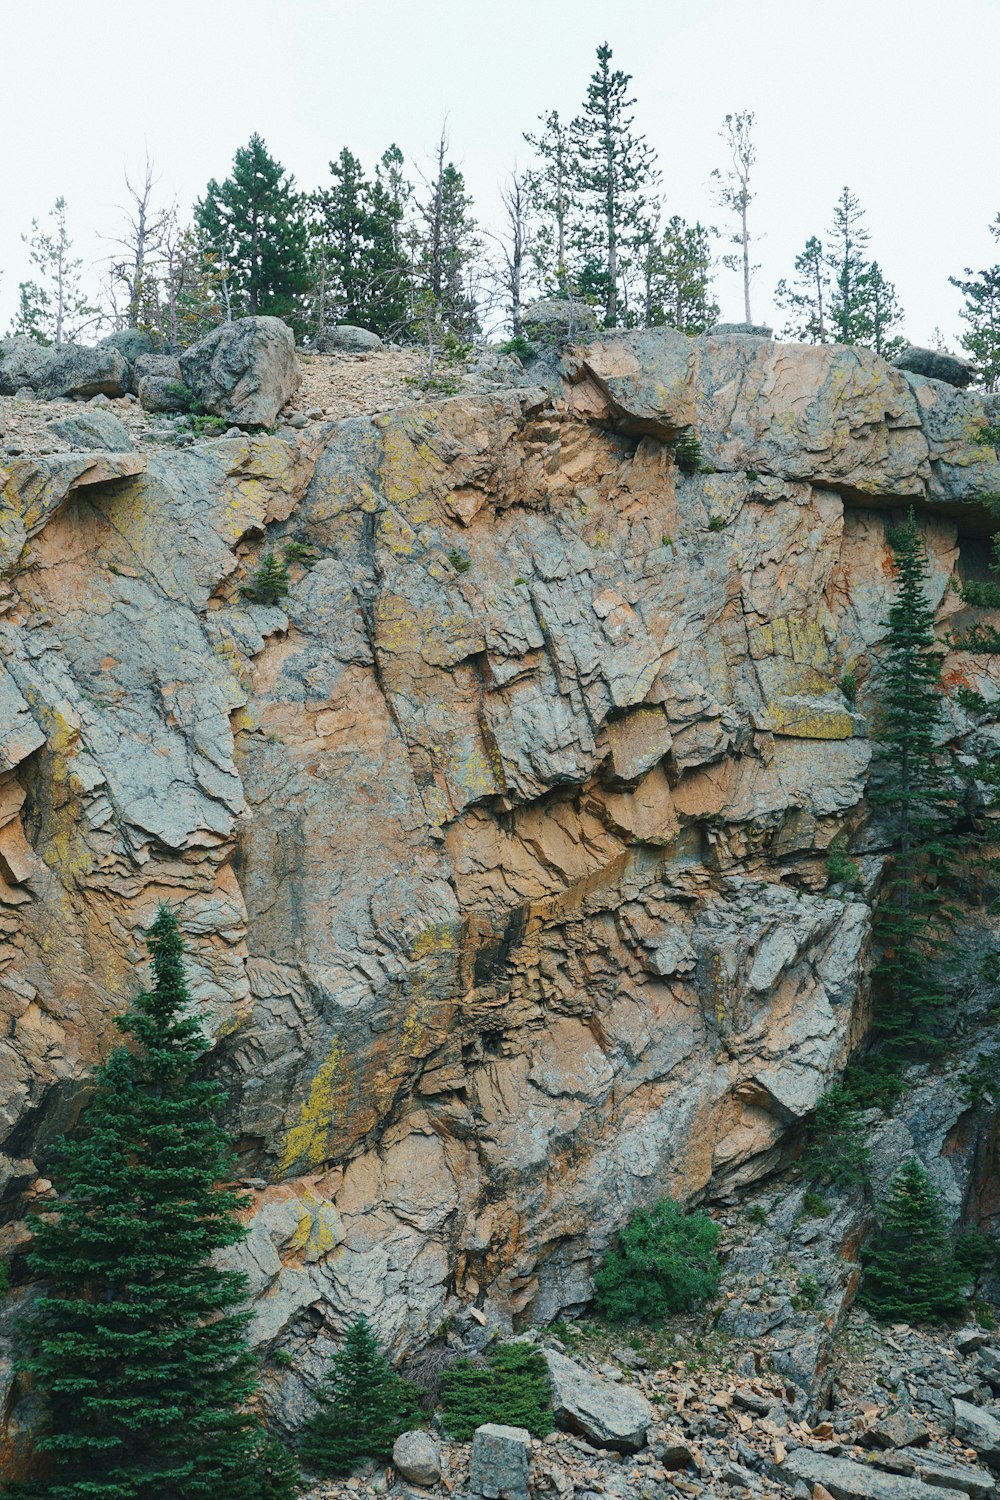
<point x="92" y="428"/>
<point x="501" y="1458"/>
<point x="846" y="1480"/>
<point x="245" y="371"/>
<point x="164" y="393"/>
<point x="76" y="371"/>
<point x="936" y="364"/>
<point x="347" y="339"/>
<point x="897" y="1429"/>
<point x="417" y="1456"/>
<point x="130" y="343"/>
<point x="979" y="1429"/>
<point x="22" y="363"/>
<point x="557" y="320"/>
<point x="747" y="330"/>
<point x="167" y="365"/>
<point x="605" y="1413"/>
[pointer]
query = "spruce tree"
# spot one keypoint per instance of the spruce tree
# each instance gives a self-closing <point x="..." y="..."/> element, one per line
<point x="137" y="1347"/>
<point x="361" y="268"/>
<point x="981" y="313"/>
<point x="913" y="787"/>
<point x="445" y="246"/>
<point x="806" y="298"/>
<point x="551" y="193"/>
<point x="364" y="1406"/>
<point x="910" y="1269"/>
<point x="615" y="170"/>
<point x="677" y="273"/>
<point x="863" y="306"/>
<point x="254" y="224"/>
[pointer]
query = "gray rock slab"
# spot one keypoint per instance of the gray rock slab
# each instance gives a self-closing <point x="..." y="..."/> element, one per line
<point x="501" y="1460"/>
<point x="604" y="1412"/>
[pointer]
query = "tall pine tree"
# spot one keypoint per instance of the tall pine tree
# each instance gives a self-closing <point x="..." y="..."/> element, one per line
<point x="360" y="266"/>
<point x="677" y="272"/>
<point x="910" y="1269"/>
<point x="52" y="308"/>
<point x="138" y="1345"/>
<point x="981" y="313"/>
<point x="733" y="187"/>
<point x="913" y="788"/>
<point x="806" y="298"/>
<point x="551" y="186"/>
<point x="615" y="169"/>
<point x="254" y="224"/>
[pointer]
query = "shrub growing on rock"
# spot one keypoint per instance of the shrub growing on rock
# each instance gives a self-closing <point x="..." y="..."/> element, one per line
<point x="364" y="1406"/>
<point x="835" y="1153"/>
<point x="511" y="1388"/>
<point x="270" y="582"/>
<point x="666" y="1262"/>
<point x="911" y="1273"/>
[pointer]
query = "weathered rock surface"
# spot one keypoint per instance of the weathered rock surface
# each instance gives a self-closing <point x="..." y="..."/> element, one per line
<point x="77" y="371"/>
<point x="348" y="339"/>
<point x="501" y="1460"/>
<point x="935" y="364"/>
<point x="417" y="1456"/>
<point x="92" y="428"/>
<point x="23" y="363"/>
<point x="846" y="1480"/>
<point x="245" y="371"/>
<point x="980" y="1428"/>
<point x="500" y="845"/>
<point x="606" y="1413"/>
<point x="556" y="319"/>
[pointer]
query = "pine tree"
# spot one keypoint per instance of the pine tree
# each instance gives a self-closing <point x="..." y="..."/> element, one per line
<point x="254" y="223"/>
<point x="806" y="298"/>
<point x="270" y="582"/>
<point x="52" y="308"/>
<point x="551" y="189"/>
<point x="360" y="268"/>
<point x="733" y="187"/>
<point x="913" y="787"/>
<point x="615" y="168"/>
<point x="445" y="249"/>
<point x="981" y="290"/>
<point x="677" y="277"/>
<point x="138" y="1345"/>
<point x="884" y="312"/>
<point x="848" y="242"/>
<point x="910" y="1270"/>
<point x="364" y="1406"/>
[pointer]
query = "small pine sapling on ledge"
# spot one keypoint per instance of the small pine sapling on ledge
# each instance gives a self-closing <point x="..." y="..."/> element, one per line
<point x="269" y="584"/>
<point x="363" y="1406"/>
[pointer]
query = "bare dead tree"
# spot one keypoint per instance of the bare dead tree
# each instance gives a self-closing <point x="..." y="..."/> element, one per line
<point x="140" y="249"/>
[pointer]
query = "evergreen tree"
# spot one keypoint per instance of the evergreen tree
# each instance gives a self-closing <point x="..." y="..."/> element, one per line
<point x="364" y="1406"/>
<point x="615" y="168"/>
<point x="913" y="787"/>
<point x="910" y="1269"/>
<point x="846" y="258"/>
<point x="360" y="268"/>
<point x="137" y="1347"/>
<point x="445" y="245"/>
<point x="806" y="299"/>
<point x="677" y="276"/>
<point x="254" y="224"/>
<point x="884" y="312"/>
<point x="52" y="308"/>
<point x="981" y="290"/>
<point x="733" y="187"/>
<point x="551" y="187"/>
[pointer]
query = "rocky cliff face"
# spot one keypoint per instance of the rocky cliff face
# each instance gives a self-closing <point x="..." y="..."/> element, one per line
<point x="499" y="846"/>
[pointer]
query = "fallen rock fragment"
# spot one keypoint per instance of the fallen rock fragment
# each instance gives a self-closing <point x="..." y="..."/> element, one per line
<point x="501" y="1458"/>
<point x="417" y="1456"/>
<point x="606" y="1413"/>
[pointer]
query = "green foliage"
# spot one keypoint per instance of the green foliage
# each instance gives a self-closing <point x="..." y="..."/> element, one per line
<point x="976" y="1252"/>
<point x="806" y="299"/>
<point x="254" y="223"/>
<point x="835" y="1153"/>
<point x="982" y="1081"/>
<point x="459" y="561"/>
<point x="4" y="1278"/>
<point x="913" y="787"/>
<point x="284" y="1358"/>
<point x="910" y="1271"/>
<point x="364" y="1406"/>
<point x="300" y="552"/>
<point x="511" y="1388"/>
<point x="758" y="1214"/>
<point x="849" y="687"/>
<point x="270" y="582"/>
<point x="676" y="269"/>
<point x="613" y="171"/>
<point x="806" y="1293"/>
<point x="716" y="523"/>
<point x="208" y="426"/>
<point x="862" y="304"/>
<point x="275" y="1471"/>
<point x="981" y="313"/>
<point x="815" y="1207"/>
<point x="52" y="308"/>
<point x="874" y="1081"/>
<point x="522" y="348"/>
<point x="981" y="640"/>
<point x="184" y="397"/>
<point x="137" y="1346"/>
<point x="752" y="476"/>
<point x="666" y="1262"/>
<point x="840" y="868"/>
<point x="687" y="453"/>
<point x="360" y="268"/>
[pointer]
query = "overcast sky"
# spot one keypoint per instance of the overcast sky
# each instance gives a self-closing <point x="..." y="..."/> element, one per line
<point x="895" y="97"/>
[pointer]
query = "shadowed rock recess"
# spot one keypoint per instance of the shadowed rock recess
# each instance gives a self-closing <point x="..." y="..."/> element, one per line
<point x="499" y="845"/>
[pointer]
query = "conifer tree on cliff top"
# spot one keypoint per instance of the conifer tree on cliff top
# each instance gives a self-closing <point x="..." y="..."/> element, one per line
<point x="254" y="225"/>
<point x="137" y="1348"/>
<point x="914" y="789"/>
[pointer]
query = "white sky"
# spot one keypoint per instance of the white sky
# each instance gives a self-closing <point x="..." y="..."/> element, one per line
<point x="895" y="97"/>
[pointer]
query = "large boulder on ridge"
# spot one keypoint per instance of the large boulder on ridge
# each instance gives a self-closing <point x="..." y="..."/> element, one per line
<point x="245" y="371"/>
<point x="348" y="339"/>
<point x="23" y="362"/>
<point x="557" y="320"/>
<point x="76" y="371"/>
<point x="937" y="364"/>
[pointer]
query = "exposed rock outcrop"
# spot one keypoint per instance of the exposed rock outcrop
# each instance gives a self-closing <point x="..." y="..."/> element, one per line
<point x="499" y="844"/>
<point x="244" y="371"/>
